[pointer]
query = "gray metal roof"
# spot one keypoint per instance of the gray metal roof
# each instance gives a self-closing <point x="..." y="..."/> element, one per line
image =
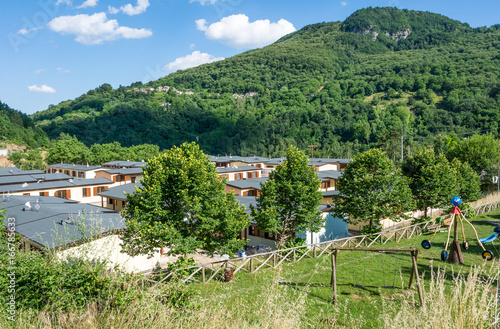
<point x="119" y="192"/>
<point x="246" y="201"/>
<point x="14" y="171"/>
<point x="124" y="171"/>
<point x="327" y="194"/>
<point x="334" y="174"/>
<point x="21" y="179"/>
<point x="73" y="167"/>
<point x="248" y="183"/>
<point x="54" y="184"/>
<point x="237" y="169"/>
<point x="43" y="226"/>
<point x="127" y="164"/>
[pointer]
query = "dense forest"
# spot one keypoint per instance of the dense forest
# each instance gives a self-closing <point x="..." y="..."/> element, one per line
<point x="346" y="86"/>
<point x="18" y="128"/>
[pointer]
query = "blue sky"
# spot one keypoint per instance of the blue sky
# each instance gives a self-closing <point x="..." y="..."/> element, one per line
<point x="55" y="50"/>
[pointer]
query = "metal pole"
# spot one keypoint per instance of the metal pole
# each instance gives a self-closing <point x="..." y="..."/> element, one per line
<point x="402" y="140"/>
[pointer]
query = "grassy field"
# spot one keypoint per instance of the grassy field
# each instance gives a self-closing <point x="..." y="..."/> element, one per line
<point x="299" y="295"/>
<point x="361" y="279"/>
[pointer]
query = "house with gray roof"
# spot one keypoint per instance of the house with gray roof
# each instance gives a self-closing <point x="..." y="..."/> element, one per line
<point x="71" y="229"/>
<point x="77" y="171"/>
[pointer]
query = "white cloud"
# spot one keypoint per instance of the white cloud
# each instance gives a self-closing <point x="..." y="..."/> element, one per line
<point x="191" y="60"/>
<point x="343" y="3"/>
<point x="95" y="29"/>
<point x="88" y="3"/>
<point x="192" y="46"/>
<point x="60" y="2"/>
<point x="26" y="31"/>
<point x="236" y="31"/>
<point x="113" y="10"/>
<point x="130" y="10"/>
<point x="204" y="2"/>
<point x="42" y="89"/>
<point x="60" y="69"/>
<point x="40" y="71"/>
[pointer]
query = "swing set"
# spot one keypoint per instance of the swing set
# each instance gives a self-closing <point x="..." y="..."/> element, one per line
<point x="455" y="251"/>
<point x="413" y="274"/>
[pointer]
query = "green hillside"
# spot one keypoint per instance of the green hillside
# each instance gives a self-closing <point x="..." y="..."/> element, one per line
<point x="346" y="86"/>
<point x="16" y="127"/>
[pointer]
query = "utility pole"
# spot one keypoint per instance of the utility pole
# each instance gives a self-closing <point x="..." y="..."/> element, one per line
<point x="312" y="153"/>
<point x="402" y="140"/>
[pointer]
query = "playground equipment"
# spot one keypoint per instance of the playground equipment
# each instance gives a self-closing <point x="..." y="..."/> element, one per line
<point x="492" y="237"/>
<point x="455" y="250"/>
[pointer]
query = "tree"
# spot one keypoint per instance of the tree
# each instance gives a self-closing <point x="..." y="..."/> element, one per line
<point x="290" y="198"/>
<point x="182" y="205"/>
<point x="432" y="179"/>
<point x="372" y="188"/>
<point x="480" y="151"/>
<point x="68" y="149"/>
<point x="468" y="181"/>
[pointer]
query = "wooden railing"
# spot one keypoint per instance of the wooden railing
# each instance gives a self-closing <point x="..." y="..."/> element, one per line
<point x="206" y="272"/>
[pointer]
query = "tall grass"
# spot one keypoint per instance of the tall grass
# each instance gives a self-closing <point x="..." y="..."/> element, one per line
<point x="465" y="302"/>
<point x="470" y="302"/>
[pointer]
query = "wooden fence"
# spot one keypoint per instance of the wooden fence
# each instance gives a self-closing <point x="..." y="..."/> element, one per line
<point x="215" y="270"/>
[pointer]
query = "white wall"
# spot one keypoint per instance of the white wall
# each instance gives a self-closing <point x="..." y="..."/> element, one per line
<point x="108" y="248"/>
<point x="335" y="228"/>
<point x="76" y="194"/>
<point x="327" y="167"/>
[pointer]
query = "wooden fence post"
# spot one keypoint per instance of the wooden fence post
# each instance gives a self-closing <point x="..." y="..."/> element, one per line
<point x="314" y="251"/>
<point x="203" y="274"/>
<point x="414" y="255"/>
<point x="294" y="255"/>
<point x="251" y="265"/>
<point x="274" y="260"/>
<point x="334" y="276"/>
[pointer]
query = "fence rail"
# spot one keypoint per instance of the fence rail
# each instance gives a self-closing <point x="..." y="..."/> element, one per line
<point x="206" y="272"/>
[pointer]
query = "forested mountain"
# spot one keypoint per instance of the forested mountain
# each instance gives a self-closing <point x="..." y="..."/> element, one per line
<point x="17" y="127"/>
<point x="345" y="86"/>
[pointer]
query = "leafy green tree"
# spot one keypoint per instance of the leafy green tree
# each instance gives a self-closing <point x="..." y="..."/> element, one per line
<point x="372" y="188"/>
<point x="433" y="180"/>
<point x="290" y="198"/>
<point x="468" y="181"/>
<point x="182" y="206"/>
<point x="480" y="151"/>
<point x="68" y="149"/>
<point x="28" y="159"/>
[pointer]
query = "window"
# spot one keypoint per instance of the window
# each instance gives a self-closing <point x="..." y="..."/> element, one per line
<point x="132" y="179"/>
<point x="65" y="194"/>
<point x="86" y="192"/>
<point x="44" y="193"/>
<point x="123" y="204"/>
<point x="239" y="176"/>
<point x="26" y="194"/>
<point x="250" y="175"/>
<point x="99" y="189"/>
<point x="251" y="230"/>
<point x="257" y="174"/>
<point x="252" y="193"/>
<point x="324" y="185"/>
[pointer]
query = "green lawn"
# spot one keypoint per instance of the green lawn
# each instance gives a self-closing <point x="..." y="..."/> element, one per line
<point x="372" y="270"/>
